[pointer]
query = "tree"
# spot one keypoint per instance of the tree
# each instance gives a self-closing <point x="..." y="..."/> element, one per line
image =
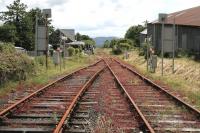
<point x="8" y="33"/>
<point x="127" y="41"/>
<point x="25" y="34"/>
<point x="85" y="38"/>
<point x="54" y="37"/>
<point x="78" y="36"/>
<point x="20" y="19"/>
<point x="133" y="33"/>
<point x="106" y="44"/>
<point x="89" y="43"/>
<point x="124" y="46"/>
<point x="24" y="23"/>
<point x="113" y="43"/>
<point x="15" y="13"/>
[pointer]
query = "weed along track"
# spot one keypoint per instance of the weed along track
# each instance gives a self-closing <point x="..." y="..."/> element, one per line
<point x="163" y="111"/>
<point x="42" y="110"/>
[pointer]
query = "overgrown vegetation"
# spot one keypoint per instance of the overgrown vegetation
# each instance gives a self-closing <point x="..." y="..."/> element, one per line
<point x="71" y="51"/>
<point x="40" y="76"/>
<point x="133" y="33"/>
<point x="14" y="65"/>
<point x="89" y="42"/>
<point x="119" y="45"/>
<point x="185" y="80"/>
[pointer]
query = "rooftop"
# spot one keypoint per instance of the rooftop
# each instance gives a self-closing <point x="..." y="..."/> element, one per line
<point x="189" y="17"/>
<point x="70" y="33"/>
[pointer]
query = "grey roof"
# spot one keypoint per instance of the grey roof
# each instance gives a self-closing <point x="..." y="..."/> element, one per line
<point x="76" y="43"/>
<point x="69" y="33"/>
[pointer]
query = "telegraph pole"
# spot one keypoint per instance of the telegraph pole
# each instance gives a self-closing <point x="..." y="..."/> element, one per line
<point x="173" y="47"/>
<point x="162" y="19"/>
<point x="162" y="51"/>
<point x="46" y="25"/>
<point x="36" y="34"/>
<point x="147" y="43"/>
<point x="175" y="41"/>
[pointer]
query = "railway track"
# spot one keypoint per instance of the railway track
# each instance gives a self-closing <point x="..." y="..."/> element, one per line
<point x="107" y="96"/>
<point x="42" y="110"/>
<point x="104" y="108"/>
<point x="163" y="111"/>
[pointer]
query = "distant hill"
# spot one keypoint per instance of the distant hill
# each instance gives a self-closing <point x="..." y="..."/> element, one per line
<point x="100" y="40"/>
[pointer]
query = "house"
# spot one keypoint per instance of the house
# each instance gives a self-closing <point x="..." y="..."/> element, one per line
<point x="67" y="35"/>
<point x="187" y="31"/>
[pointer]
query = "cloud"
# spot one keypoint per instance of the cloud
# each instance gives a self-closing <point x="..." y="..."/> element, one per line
<point x="105" y="18"/>
<point x="56" y="2"/>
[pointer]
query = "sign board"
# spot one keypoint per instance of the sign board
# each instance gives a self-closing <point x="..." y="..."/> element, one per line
<point x="41" y="38"/>
<point x="168" y="40"/>
<point x="47" y="12"/>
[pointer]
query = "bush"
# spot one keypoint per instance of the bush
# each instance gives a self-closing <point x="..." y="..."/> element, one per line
<point x="127" y="41"/>
<point x="182" y="53"/>
<point x="120" y="47"/>
<point x="7" y="48"/>
<point x="77" y="50"/>
<point x="124" y="46"/>
<point x="71" y="51"/>
<point x="116" y="50"/>
<point x="13" y="65"/>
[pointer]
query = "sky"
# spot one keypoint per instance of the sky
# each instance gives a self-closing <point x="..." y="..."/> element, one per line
<point x="104" y="17"/>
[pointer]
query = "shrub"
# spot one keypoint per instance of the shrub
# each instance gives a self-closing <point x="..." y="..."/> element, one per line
<point x="127" y="41"/>
<point x="13" y="65"/>
<point x="77" y="50"/>
<point x="120" y="47"/>
<point x="182" y="53"/>
<point x="71" y="51"/>
<point x="116" y="50"/>
<point x="167" y="55"/>
<point x="7" y="48"/>
<point x="124" y="46"/>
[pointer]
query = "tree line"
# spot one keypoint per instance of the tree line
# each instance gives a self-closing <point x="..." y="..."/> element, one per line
<point x="19" y="25"/>
<point x="130" y="40"/>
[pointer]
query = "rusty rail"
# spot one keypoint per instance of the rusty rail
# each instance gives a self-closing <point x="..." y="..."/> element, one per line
<point x="67" y="113"/>
<point x="148" y="126"/>
<point x="15" y="105"/>
<point x="188" y="106"/>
